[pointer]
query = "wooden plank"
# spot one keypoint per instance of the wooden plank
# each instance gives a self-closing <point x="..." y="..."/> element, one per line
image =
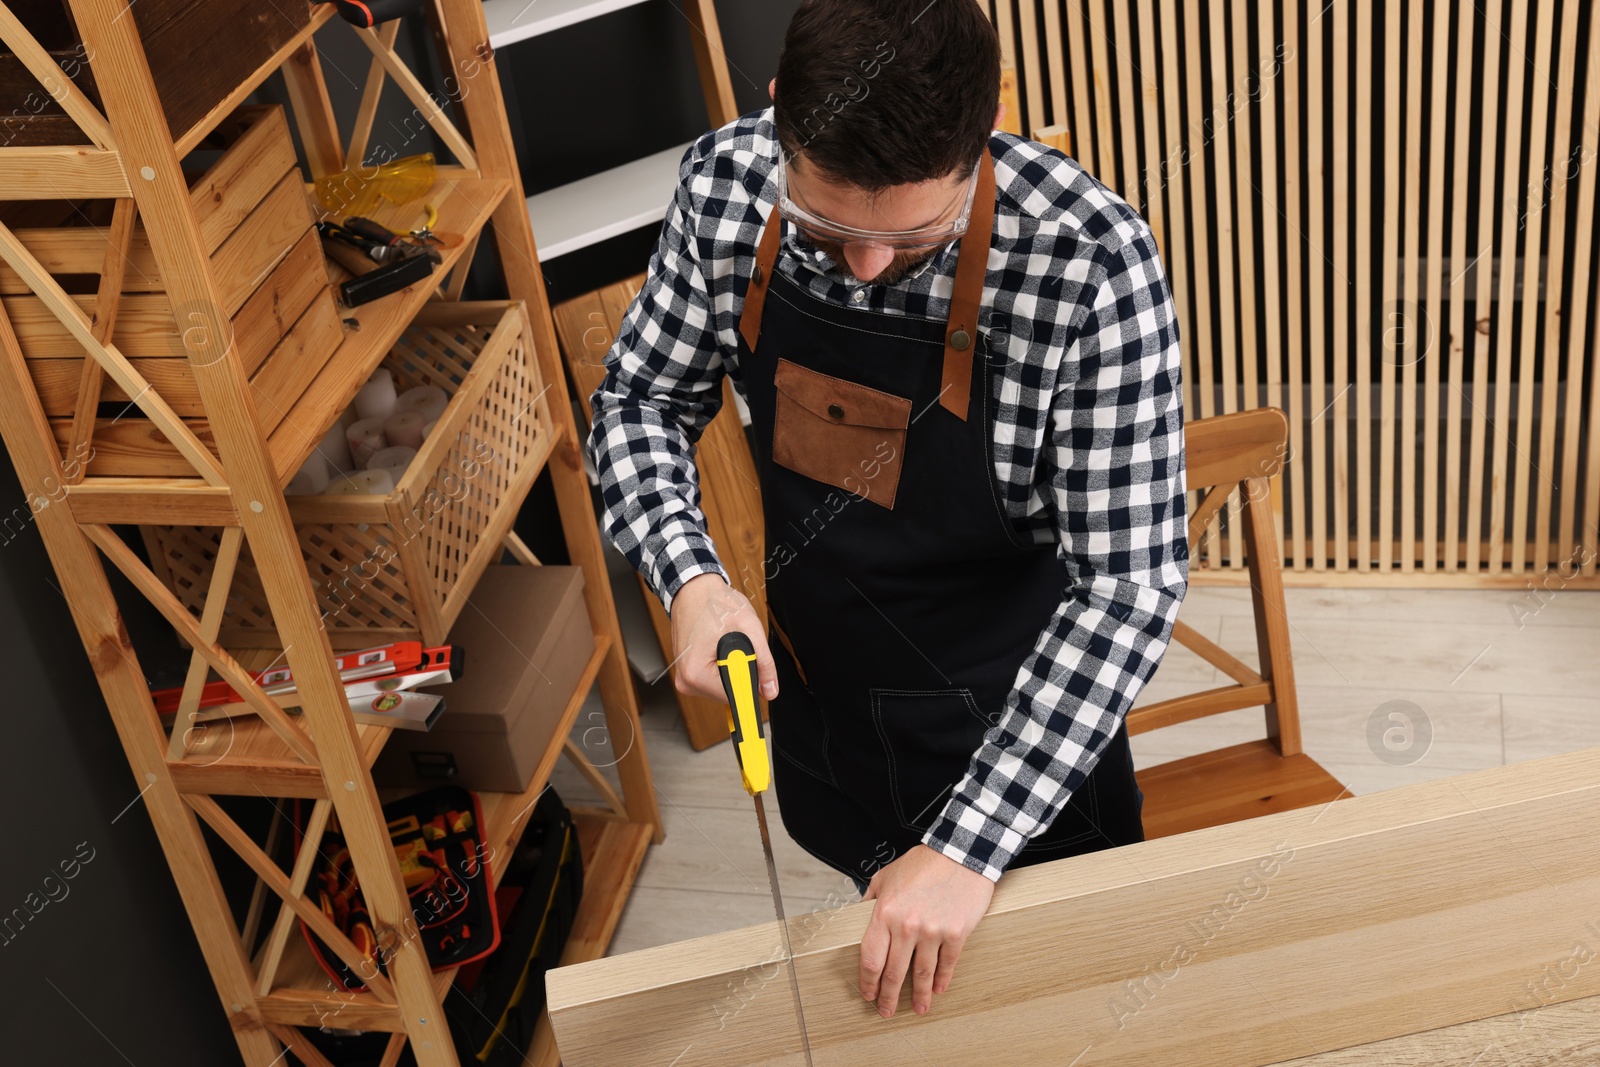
<point x="1394" y="306"/>
<point x="1293" y="533"/>
<point x="1483" y="274"/>
<point x="304" y="350"/>
<point x="62" y="172"/>
<point x="1317" y="256"/>
<point x="313" y="110"/>
<point x="1237" y="945"/>
<point x="1173" y="179"/>
<point x="107" y="297"/>
<point x="1055" y="44"/>
<point x="427" y="107"/>
<point x="706" y="38"/>
<point x="1547" y="500"/>
<point x="243" y="261"/>
<point x="1578" y="327"/>
<point x="1032" y="66"/>
<point x="1342" y="284"/>
<point x="112" y="501"/>
<point x="1531" y="267"/>
<point x="144" y="328"/>
<point x="1105" y="138"/>
<point x="1435" y="340"/>
<point x="249" y="170"/>
<point x="1083" y="132"/>
<point x="1504" y="317"/>
<point x="82" y="250"/>
<point x="1255" y="779"/>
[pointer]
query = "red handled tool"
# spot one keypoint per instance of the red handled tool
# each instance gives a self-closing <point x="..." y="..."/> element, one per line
<point x="368" y="13"/>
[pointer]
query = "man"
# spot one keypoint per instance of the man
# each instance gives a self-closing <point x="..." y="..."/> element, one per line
<point x="961" y="362"/>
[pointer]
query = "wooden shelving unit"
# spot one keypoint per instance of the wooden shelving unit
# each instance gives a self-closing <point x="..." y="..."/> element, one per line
<point x="216" y="423"/>
<point x="637" y="193"/>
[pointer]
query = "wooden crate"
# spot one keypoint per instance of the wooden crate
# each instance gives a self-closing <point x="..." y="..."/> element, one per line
<point x="196" y="50"/>
<point x="394" y="567"/>
<point x="257" y="223"/>
<point x="258" y="227"/>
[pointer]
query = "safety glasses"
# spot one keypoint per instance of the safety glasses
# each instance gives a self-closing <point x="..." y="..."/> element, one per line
<point x="817" y="227"/>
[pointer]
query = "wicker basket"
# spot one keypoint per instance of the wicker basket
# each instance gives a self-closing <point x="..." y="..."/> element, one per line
<point x="401" y="566"/>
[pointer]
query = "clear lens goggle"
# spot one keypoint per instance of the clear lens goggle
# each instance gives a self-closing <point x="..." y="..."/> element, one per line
<point x="925" y="237"/>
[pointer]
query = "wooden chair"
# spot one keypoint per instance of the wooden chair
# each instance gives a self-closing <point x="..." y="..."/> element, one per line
<point x="1243" y="449"/>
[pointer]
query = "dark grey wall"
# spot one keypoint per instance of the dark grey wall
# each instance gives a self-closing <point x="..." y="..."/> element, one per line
<point x="109" y="973"/>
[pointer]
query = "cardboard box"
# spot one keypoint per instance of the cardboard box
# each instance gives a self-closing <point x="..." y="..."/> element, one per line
<point x="527" y="637"/>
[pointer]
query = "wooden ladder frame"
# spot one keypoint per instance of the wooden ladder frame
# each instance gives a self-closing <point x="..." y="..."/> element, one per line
<point x="324" y="756"/>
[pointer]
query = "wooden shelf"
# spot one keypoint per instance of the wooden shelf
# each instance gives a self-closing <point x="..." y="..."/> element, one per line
<point x="614" y="201"/>
<point x="613" y="849"/>
<point x="517" y="20"/>
<point x="133" y="447"/>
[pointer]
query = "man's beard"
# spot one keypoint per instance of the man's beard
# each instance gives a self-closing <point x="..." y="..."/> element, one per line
<point x="901" y="267"/>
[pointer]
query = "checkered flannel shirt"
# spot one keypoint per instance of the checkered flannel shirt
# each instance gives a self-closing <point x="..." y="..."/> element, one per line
<point x="1088" y="437"/>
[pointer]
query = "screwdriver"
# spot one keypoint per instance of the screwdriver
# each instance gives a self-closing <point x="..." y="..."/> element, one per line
<point x="368" y="13"/>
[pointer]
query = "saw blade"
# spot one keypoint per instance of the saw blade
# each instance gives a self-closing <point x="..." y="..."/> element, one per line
<point x="783" y="923"/>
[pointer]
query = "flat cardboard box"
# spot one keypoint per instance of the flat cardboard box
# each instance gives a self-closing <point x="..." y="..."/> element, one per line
<point x="527" y="638"/>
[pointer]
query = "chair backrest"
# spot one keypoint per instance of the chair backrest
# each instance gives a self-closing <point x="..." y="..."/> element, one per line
<point x="1243" y="450"/>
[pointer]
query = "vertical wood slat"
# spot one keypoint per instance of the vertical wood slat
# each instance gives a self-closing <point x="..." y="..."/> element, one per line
<point x="1483" y="278"/>
<point x="1032" y="80"/>
<point x="1361" y="348"/>
<point x="1105" y="142"/>
<point x="1177" y="251"/>
<point x="1577" y="541"/>
<point x="1294" y="348"/>
<point x="1435" y="343"/>
<point x="1549" y="498"/>
<point x="1410" y="287"/>
<point x="1270" y="93"/>
<point x="1083" y="132"/>
<point x="1503" y="316"/>
<point x="1318" y="258"/>
<point x="1411" y="352"/>
<point x="1461" y="257"/>
<point x="1531" y="223"/>
<point x="1341" y="269"/>
<point x="1398" y="274"/>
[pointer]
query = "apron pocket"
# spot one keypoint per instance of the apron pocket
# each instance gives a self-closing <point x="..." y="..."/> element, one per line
<point x="928" y="737"/>
<point x="840" y="433"/>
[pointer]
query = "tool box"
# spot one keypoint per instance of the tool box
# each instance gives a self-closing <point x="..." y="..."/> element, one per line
<point x="527" y="631"/>
<point x="495" y="1003"/>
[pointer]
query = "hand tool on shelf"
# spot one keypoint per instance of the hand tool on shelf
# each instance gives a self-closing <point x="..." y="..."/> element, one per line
<point x="400" y="658"/>
<point x="736" y="662"/>
<point x="369" y="13"/>
<point x="400" y="265"/>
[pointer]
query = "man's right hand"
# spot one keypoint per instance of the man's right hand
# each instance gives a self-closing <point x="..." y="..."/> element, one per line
<point x="705" y="608"/>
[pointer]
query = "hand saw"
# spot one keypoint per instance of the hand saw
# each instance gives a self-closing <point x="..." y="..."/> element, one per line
<point x="736" y="661"/>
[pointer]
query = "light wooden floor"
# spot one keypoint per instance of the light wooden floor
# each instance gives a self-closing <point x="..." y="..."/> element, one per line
<point x="1489" y="691"/>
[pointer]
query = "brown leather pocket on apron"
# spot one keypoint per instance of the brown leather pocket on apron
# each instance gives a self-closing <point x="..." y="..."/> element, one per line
<point x="841" y="433"/>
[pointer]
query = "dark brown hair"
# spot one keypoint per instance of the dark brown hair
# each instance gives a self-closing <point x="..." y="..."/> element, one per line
<point x="888" y="92"/>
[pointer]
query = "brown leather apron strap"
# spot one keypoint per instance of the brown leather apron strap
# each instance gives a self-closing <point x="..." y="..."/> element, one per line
<point x="971" y="266"/>
<point x="755" y="297"/>
<point x="962" y="331"/>
<point x="784" y="638"/>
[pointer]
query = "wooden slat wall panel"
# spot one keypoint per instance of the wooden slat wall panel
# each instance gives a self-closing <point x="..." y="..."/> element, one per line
<point x="1381" y="219"/>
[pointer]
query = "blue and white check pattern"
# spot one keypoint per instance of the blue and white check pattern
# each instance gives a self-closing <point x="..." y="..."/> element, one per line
<point x="1088" y="437"/>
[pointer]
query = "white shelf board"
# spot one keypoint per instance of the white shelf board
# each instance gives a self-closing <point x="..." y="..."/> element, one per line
<point x="516" y="20"/>
<point x="603" y="205"/>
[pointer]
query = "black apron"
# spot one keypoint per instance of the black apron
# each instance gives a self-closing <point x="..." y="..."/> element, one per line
<point x="902" y="599"/>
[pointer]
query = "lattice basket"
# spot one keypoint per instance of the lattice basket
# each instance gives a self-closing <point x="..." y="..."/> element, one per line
<point x="400" y="566"/>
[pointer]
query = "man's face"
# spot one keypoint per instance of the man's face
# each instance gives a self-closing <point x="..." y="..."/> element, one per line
<point x="898" y="208"/>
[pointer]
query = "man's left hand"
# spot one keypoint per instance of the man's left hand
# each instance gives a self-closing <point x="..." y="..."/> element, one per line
<point x="928" y="904"/>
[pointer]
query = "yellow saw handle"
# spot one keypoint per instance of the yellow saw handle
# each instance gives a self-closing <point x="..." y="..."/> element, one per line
<point x="736" y="661"/>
